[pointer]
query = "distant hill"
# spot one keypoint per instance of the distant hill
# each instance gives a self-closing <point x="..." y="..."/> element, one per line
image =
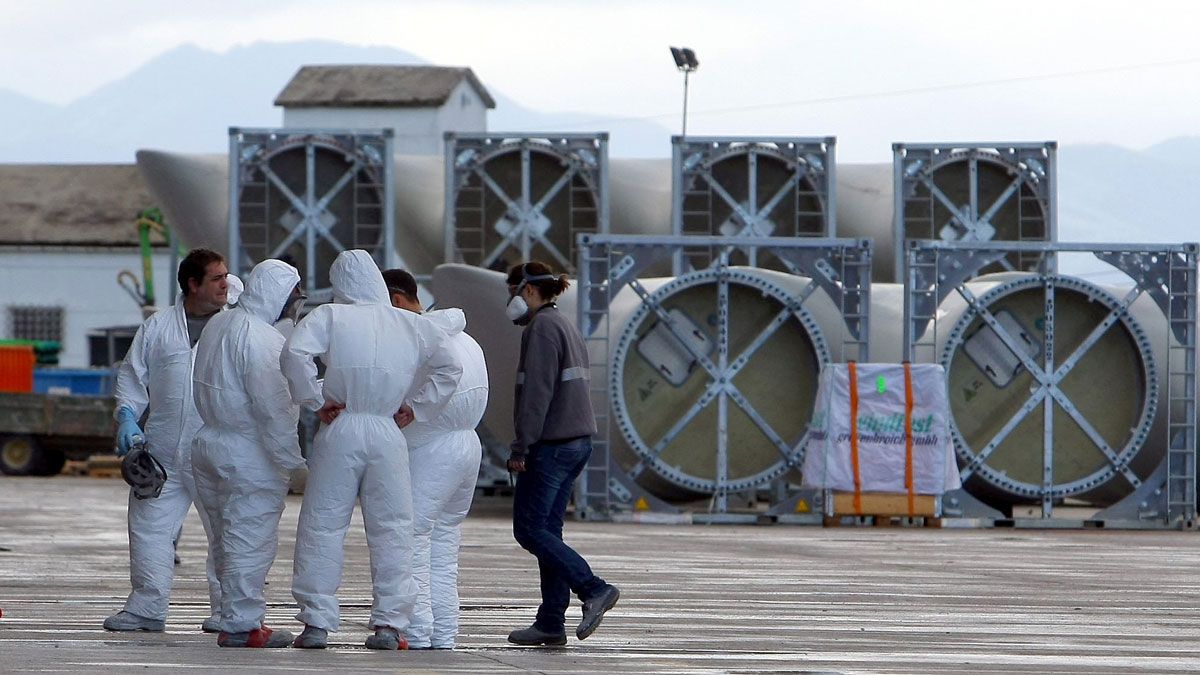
<point x="1108" y="193"/>
<point x="18" y="112"/>
<point x="186" y="99"/>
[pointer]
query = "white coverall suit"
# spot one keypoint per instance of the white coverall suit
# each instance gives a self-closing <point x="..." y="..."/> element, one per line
<point x="377" y="358"/>
<point x="248" y="445"/>
<point x="157" y="374"/>
<point x="444" y="456"/>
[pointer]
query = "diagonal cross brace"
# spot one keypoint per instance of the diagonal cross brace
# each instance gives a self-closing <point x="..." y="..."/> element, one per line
<point x="310" y="212"/>
<point x="515" y="207"/>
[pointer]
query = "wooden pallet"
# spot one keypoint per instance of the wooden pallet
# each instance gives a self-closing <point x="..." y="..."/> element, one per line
<point x="883" y="509"/>
<point x="74" y="467"/>
<point x="104" y="466"/>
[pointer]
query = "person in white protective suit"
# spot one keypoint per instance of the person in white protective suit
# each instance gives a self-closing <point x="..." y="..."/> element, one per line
<point x="155" y="379"/>
<point x="444" y="456"/>
<point x="377" y="359"/>
<point x="233" y="290"/>
<point x="248" y="447"/>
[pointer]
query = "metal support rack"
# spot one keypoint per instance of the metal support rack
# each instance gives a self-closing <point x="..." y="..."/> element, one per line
<point x="307" y="195"/>
<point x="525" y="194"/>
<point x="975" y="192"/>
<point x="609" y="264"/>
<point x="1152" y="312"/>
<point x="751" y="186"/>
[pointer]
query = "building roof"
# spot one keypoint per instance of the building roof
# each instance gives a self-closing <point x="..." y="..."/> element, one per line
<point x="71" y="204"/>
<point x="376" y="86"/>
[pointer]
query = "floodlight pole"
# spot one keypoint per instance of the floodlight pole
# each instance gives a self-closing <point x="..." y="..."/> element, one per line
<point x="685" y="98"/>
<point x="685" y="61"/>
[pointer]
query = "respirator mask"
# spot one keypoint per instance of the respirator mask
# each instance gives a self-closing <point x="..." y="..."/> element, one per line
<point x="292" y="308"/>
<point x="517" y="309"/>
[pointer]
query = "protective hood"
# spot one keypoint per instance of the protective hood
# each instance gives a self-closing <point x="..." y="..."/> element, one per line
<point x="452" y="321"/>
<point x="270" y="284"/>
<point x="356" y="280"/>
<point x="236" y="288"/>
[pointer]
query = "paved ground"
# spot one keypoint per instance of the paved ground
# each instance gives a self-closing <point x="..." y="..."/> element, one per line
<point x="695" y="598"/>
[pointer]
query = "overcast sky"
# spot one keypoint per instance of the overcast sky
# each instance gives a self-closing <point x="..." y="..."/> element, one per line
<point x="867" y="72"/>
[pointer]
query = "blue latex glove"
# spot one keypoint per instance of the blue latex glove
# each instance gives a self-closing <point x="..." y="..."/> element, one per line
<point x="127" y="430"/>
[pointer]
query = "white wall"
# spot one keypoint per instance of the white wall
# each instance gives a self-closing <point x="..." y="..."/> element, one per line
<point x="84" y="284"/>
<point x="418" y="130"/>
<point x="463" y="111"/>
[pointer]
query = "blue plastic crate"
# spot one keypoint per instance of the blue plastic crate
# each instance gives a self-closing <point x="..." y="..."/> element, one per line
<point x="96" y="381"/>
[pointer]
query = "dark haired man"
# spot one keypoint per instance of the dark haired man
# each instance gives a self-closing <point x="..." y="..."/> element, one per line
<point x="156" y="380"/>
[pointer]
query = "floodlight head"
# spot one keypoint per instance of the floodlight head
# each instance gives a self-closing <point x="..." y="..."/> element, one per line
<point x="690" y="57"/>
<point x="680" y="60"/>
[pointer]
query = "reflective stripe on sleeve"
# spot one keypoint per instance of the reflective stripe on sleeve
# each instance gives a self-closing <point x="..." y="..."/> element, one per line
<point x="575" y="373"/>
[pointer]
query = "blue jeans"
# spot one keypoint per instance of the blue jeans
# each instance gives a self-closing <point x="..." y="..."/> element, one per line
<point x="543" y="491"/>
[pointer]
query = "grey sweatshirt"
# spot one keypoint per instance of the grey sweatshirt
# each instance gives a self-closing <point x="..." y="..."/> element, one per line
<point x="553" y="401"/>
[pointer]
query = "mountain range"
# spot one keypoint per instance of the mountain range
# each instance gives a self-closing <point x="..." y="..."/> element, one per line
<point x="185" y="99"/>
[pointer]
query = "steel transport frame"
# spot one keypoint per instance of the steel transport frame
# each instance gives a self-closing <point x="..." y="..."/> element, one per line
<point x="610" y="263"/>
<point x="583" y="155"/>
<point x="811" y="160"/>
<point x="1167" y="273"/>
<point x="1030" y="165"/>
<point x="369" y="158"/>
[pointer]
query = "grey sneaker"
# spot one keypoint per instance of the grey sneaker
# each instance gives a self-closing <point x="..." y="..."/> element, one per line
<point x="124" y="621"/>
<point x="594" y="609"/>
<point x="386" y="637"/>
<point x="211" y="625"/>
<point x="536" y="637"/>
<point x="259" y="637"/>
<point x="312" y="638"/>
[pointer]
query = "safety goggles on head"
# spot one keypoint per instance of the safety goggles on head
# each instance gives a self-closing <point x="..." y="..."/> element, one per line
<point x="517" y="309"/>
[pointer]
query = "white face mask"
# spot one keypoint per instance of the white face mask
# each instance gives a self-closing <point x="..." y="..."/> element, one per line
<point x="517" y="308"/>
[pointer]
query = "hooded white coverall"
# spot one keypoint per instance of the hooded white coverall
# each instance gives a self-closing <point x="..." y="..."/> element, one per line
<point x="444" y="455"/>
<point x="234" y="290"/>
<point x="248" y="445"/>
<point x="157" y="375"/>
<point x="377" y="358"/>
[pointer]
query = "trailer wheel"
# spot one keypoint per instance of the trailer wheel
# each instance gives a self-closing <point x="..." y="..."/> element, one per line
<point x="18" y="455"/>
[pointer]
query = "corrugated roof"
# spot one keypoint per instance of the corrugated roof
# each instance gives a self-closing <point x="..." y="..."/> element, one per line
<point x="376" y="86"/>
<point x="71" y="204"/>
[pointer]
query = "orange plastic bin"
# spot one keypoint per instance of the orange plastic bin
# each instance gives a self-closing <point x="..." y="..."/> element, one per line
<point x="16" y="368"/>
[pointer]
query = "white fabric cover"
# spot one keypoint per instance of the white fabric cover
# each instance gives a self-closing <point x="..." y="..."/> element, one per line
<point x="444" y="455"/>
<point x="881" y="437"/>
<point x="376" y="357"/>
<point x="248" y="444"/>
<point x="156" y="376"/>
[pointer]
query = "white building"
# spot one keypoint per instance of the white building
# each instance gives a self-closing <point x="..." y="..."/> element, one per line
<point x="65" y="233"/>
<point x="419" y="103"/>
